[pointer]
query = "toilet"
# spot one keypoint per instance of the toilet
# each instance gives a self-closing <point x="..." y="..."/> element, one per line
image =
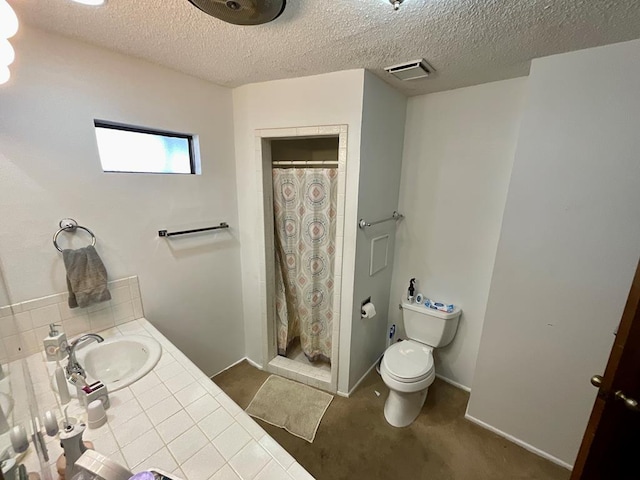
<point x="407" y="367"/>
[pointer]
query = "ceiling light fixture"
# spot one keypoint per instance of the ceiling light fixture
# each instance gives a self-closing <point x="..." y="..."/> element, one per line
<point x="396" y="4"/>
<point x="7" y="53"/>
<point x="242" y="12"/>
<point x="8" y="28"/>
<point x="8" y="20"/>
<point x="5" y="75"/>
<point x="92" y="3"/>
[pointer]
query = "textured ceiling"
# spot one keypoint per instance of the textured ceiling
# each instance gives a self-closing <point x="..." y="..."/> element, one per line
<point x="466" y="41"/>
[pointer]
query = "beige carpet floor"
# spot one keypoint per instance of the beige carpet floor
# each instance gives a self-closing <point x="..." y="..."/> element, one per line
<point x="355" y="442"/>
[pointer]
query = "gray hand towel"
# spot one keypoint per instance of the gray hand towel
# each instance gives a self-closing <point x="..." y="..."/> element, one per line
<point x="86" y="277"/>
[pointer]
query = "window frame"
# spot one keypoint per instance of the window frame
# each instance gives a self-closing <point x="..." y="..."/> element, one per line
<point x="193" y="170"/>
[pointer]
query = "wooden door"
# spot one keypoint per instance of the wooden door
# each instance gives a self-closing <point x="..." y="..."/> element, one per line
<point x="611" y="444"/>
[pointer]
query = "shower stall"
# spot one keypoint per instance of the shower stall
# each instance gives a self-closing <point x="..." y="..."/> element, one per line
<point x="303" y="203"/>
<point x="305" y="178"/>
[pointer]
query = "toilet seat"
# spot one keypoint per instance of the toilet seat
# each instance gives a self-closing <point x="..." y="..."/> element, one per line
<point x="408" y="362"/>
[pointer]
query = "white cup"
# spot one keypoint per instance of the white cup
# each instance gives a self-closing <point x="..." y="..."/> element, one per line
<point x="96" y="416"/>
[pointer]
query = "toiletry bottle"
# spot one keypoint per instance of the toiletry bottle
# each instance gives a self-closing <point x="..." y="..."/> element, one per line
<point x="412" y="289"/>
<point x="55" y="345"/>
<point x="61" y="383"/>
<point x="392" y="333"/>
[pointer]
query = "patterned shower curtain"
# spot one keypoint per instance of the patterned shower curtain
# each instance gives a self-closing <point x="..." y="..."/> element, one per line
<point x="304" y="202"/>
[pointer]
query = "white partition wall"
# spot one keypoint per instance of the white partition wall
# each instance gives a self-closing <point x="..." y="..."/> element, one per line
<point x="331" y="99"/>
<point x="383" y="120"/>
<point x="568" y="249"/>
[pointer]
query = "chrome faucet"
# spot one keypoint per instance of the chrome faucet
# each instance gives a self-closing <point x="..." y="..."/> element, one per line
<point x="73" y="366"/>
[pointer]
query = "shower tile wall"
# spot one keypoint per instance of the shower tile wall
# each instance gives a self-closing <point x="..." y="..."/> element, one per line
<point x="24" y="325"/>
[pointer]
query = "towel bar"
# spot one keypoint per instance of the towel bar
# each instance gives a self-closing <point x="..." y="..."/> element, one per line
<point x="165" y="233"/>
<point x="395" y="216"/>
<point x="70" y="225"/>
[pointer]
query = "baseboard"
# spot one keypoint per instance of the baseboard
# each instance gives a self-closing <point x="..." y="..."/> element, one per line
<point x="444" y="379"/>
<point x="353" y="389"/>
<point x="254" y="364"/>
<point x="519" y="442"/>
<point x="455" y="384"/>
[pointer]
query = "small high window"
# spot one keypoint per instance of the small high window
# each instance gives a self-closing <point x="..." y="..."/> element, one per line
<point x="126" y="148"/>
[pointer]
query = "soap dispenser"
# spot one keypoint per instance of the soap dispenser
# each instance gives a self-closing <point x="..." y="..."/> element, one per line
<point x="55" y="345"/>
<point x="411" y="290"/>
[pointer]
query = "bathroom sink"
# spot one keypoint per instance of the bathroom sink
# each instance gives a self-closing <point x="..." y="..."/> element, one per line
<point x="119" y="361"/>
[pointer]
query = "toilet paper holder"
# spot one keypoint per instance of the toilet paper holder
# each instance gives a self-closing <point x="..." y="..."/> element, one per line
<point x="363" y="303"/>
<point x="365" y="314"/>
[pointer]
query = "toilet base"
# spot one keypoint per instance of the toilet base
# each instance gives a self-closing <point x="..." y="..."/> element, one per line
<point x="401" y="409"/>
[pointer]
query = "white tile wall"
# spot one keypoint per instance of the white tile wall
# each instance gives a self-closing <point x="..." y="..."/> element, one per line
<point x="189" y="427"/>
<point x="23" y="326"/>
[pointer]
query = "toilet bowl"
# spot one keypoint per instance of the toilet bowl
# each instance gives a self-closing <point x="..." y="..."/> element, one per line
<point x="407" y="369"/>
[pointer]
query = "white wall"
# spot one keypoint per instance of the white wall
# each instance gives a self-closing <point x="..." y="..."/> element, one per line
<point x="458" y="153"/>
<point x="383" y="117"/>
<point x="49" y="169"/>
<point x="330" y="99"/>
<point x="568" y="249"/>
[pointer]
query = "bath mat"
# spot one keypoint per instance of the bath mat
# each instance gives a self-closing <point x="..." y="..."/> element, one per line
<point x="286" y="404"/>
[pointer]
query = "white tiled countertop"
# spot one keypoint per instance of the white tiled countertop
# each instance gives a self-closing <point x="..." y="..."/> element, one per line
<point x="176" y="419"/>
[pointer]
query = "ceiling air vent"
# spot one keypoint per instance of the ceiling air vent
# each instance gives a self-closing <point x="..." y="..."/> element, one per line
<point x="242" y="12"/>
<point x="411" y="70"/>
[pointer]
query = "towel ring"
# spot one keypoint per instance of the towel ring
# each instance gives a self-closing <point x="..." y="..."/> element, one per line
<point x="70" y="225"/>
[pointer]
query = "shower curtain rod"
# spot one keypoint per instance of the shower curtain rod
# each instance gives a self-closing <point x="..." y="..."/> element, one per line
<point x="304" y="163"/>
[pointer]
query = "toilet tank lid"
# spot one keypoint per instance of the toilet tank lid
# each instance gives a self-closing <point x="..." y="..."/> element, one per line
<point x="417" y="307"/>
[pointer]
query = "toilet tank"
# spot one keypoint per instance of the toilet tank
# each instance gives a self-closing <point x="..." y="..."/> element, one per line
<point x="429" y="326"/>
